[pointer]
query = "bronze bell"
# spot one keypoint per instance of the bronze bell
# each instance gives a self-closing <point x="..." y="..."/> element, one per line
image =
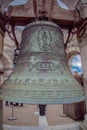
<point x="42" y="75"/>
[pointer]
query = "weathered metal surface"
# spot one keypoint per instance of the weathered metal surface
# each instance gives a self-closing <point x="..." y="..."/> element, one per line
<point x="42" y="75"/>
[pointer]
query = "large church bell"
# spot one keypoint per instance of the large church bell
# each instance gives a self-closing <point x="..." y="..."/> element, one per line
<point x="42" y="75"/>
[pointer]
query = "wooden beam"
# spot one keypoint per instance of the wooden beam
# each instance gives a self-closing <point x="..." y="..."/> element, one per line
<point x="35" y="9"/>
<point x="51" y="9"/>
<point x="42" y="12"/>
<point x="43" y="5"/>
<point x="2" y="25"/>
<point x="23" y="21"/>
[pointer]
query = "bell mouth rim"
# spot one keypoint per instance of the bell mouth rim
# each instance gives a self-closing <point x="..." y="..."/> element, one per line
<point x="46" y="101"/>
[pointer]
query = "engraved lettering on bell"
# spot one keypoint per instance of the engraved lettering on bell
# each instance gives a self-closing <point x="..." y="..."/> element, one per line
<point x="42" y="75"/>
<point x="44" y="39"/>
<point x="45" y="66"/>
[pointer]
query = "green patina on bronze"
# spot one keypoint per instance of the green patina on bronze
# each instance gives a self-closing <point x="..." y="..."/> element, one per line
<point x="42" y="75"/>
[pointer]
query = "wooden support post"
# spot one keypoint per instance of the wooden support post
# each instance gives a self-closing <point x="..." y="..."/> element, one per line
<point x="1" y="115"/>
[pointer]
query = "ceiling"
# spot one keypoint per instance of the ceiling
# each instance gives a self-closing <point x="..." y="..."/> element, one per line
<point x="69" y="3"/>
<point x="54" y="10"/>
